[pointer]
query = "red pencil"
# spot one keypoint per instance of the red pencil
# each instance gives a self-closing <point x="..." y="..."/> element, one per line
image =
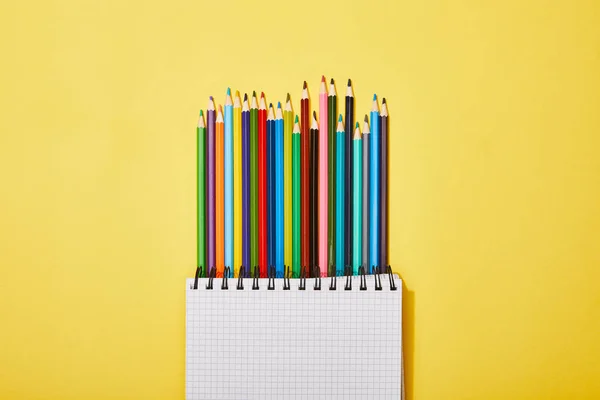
<point x="304" y="179"/>
<point x="262" y="186"/>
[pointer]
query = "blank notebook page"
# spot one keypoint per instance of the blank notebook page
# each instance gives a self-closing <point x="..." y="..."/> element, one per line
<point x="294" y="344"/>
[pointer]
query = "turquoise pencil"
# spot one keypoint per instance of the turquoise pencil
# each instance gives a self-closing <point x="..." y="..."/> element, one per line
<point x="374" y="187"/>
<point x="228" y="183"/>
<point x="357" y="164"/>
<point x="278" y="168"/>
<point x="339" y="198"/>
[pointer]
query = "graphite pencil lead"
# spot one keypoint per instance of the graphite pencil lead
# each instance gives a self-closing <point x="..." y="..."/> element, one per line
<point x="349" y="82"/>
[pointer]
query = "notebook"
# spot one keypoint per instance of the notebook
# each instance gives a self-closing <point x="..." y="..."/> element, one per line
<point x="308" y="338"/>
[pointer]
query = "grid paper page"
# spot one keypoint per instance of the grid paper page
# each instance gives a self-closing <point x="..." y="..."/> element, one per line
<point x="294" y="344"/>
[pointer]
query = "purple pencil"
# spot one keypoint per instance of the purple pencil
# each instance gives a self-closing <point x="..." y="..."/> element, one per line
<point x="210" y="175"/>
<point x="246" y="185"/>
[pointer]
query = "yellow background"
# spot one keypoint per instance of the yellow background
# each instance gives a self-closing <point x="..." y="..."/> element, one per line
<point x="495" y="181"/>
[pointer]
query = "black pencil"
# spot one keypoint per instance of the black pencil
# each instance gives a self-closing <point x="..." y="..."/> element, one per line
<point x="349" y="130"/>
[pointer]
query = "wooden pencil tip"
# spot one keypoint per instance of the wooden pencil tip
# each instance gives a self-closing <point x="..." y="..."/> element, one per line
<point x="220" y="109"/>
<point x="305" y="85"/>
<point x="349" y="82"/>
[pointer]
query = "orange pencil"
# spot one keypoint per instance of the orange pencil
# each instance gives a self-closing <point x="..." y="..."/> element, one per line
<point x="219" y="232"/>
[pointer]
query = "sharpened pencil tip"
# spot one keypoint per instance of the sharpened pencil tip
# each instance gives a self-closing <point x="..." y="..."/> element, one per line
<point x="287" y="97"/>
<point x="270" y="105"/>
<point x="383" y="101"/>
<point x="323" y="79"/>
<point x="366" y="118"/>
<point x="211" y="98"/>
<point x="314" y="114"/>
<point x="262" y="94"/>
<point x="305" y="85"/>
<point x="278" y="104"/>
<point x="374" y="97"/>
<point x="254" y="93"/>
<point x="201" y="113"/>
<point x="296" y="120"/>
<point x="237" y="93"/>
<point x="340" y="118"/>
<point x="228" y="91"/>
<point x="356" y="126"/>
<point x="245" y="96"/>
<point x="331" y="82"/>
<point x="349" y="82"/>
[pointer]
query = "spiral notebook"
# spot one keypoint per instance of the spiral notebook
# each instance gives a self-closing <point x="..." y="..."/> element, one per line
<point x="308" y="338"/>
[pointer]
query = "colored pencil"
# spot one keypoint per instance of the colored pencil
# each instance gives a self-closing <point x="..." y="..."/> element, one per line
<point x="323" y="179"/>
<point x="219" y="232"/>
<point x="210" y="187"/>
<point x="340" y="202"/>
<point x="357" y="201"/>
<point x="349" y="128"/>
<point x="228" y="242"/>
<point x="270" y="187"/>
<point x="253" y="182"/>
<point x="383" y="224"/>
<point x="296" y="200"/>
<point x="331" y="161"/>
<point x="237" y="184"/>
<point x="365" y="203"/>
<point x="314" y="191"/>
<point x="201" y="191"/>
<point x="288" y="126"/>
<point x="279" y="204"/>
<point x="262" y="186"/>
<point x="374" y="187"/>
<point x="304" y="154"/>
<point x="246" y="185"/>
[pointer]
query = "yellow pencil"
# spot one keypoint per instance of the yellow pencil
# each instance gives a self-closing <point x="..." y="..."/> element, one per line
<point x="288" y="126"/>
<point x="237" y="183"/>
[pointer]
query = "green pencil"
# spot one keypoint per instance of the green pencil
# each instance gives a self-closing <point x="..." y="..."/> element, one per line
<point x="253" y="184"/>
<point x="332" y="122"/>
<point x="201" y="192"/>
<point x="296" y="200"/>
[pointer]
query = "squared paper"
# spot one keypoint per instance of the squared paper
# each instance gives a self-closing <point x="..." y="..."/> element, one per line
<point x="294" y="344"/>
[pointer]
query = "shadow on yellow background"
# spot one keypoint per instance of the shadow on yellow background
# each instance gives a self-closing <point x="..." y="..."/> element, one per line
<point x="494" y="182"/>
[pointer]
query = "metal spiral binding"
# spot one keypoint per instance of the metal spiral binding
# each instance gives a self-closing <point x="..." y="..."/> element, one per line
<point x="198" y="274"/>
<point x="363" y="278"/>
<point x="333" y="284"/>
<point x="302" y="285"/>
<point x="225" y="284"/>
<point x="348" y="273"/>
<point x="211" y="275"/>
<point x="377" y="277"/>
<point x="286" y="277"/>
<point x="317" y="275"/>
<point x="271" y="285"/>
<point x="255" y="279"/>
<point x="241" y="276"/>
<point x="390" y="275"/>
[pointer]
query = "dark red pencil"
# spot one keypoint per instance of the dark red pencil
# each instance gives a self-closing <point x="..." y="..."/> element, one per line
<point x="304" y="178"/>
<point x="314" y="193"/>
<point x="262" y="186"/>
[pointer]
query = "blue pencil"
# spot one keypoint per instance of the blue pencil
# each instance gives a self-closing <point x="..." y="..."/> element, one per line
<point x="245" y="185"/>
<point x="279" y="219"/>
<point x="228" y="182"/>
<point x="270" y="188"/>
<point x="374" y="186"/>
<point x="339" y="198"/>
